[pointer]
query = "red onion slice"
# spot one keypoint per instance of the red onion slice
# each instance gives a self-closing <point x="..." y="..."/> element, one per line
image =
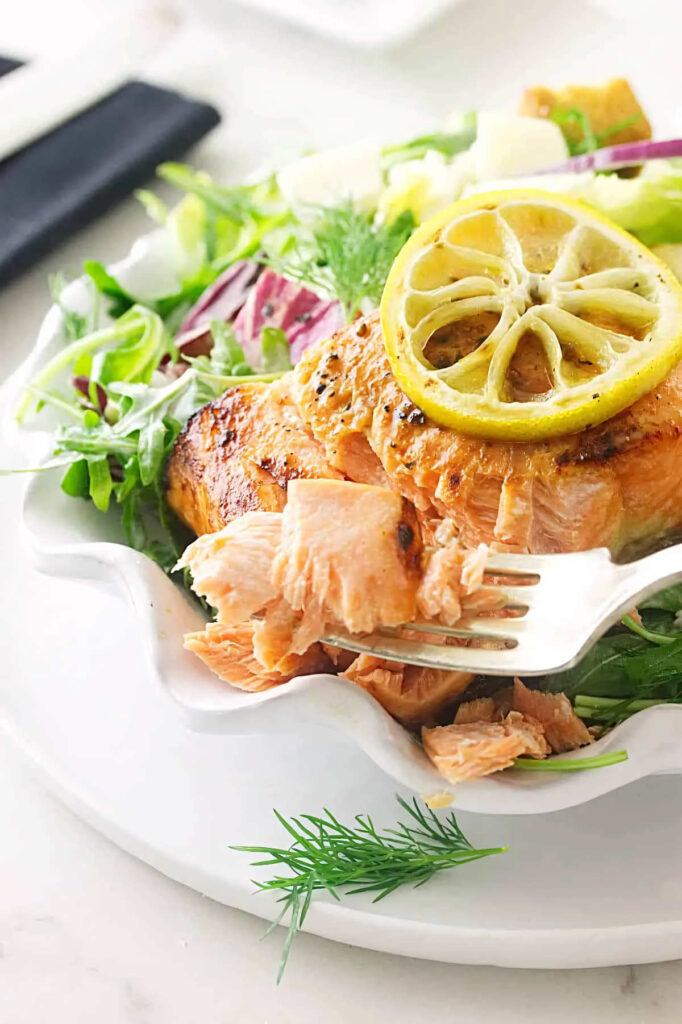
<point x="612" y="158"/>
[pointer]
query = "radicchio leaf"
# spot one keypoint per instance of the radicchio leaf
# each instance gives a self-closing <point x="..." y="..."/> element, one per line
<point x="221" y="301"/>
<point x="275" y="301"/>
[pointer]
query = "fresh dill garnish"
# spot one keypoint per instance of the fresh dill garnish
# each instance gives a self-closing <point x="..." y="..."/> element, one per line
<point x="346" y="254"/>
<point x="326" y="854"/>
<point x="588" y="140"/>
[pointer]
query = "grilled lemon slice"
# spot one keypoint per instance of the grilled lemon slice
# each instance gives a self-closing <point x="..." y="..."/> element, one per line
<point x="520" y="315"/>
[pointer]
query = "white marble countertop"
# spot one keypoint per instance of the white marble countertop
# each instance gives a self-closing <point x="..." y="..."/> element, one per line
<point x="86" y="932"/>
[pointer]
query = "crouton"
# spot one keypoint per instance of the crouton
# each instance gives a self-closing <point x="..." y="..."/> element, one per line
<point x="605" y="105"/>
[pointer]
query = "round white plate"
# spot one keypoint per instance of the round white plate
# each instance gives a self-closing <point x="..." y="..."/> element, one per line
<point x="591" y="886"/>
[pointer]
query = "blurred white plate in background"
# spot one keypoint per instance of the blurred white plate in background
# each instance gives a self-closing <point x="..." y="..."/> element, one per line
<point x="367" y="23"/>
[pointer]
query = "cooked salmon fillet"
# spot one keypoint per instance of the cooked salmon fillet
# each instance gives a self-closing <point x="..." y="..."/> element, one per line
<point x="238" y="454"/>
<point x="464" y="752"/>
<point x="341" y="413"/>
<point x="562" y="727"/>
<point x="611" y="485"/>
<point x="228" y="651"/>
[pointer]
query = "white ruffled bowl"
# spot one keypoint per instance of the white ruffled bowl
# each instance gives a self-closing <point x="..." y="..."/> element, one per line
<point x="70" y="538"/>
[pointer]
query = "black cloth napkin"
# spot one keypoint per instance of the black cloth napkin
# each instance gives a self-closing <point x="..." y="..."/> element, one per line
<point x="62" y="181"/>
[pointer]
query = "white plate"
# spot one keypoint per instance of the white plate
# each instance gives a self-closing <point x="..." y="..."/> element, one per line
<point x="70" y="538"/>
<point x="367" y="24"/>
<point x="591" y="886"/>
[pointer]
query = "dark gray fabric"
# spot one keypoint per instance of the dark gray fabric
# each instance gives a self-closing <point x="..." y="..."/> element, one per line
<point x="64" y="180"/>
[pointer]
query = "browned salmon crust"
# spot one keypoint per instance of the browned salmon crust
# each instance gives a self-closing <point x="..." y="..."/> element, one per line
<point x="237" y="455"/>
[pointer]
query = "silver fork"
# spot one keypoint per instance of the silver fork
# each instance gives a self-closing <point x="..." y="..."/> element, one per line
<point x="561" y="604"/>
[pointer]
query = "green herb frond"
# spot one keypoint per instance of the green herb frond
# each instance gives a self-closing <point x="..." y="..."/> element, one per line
<point x="345" y="254"/>
<point x="326" y="854"/>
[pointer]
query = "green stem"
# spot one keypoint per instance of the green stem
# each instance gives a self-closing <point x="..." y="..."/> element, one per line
<point x="228" y="382"/>
<point x="57" y="402"/>
<point x="580" y="764"/>
<point x="647" y="634"/>
<point x="599" y="703"/>
<point x="70" y="354"/>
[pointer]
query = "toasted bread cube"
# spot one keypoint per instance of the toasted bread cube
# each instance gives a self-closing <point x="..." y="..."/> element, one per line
<point x="605" y="105"/>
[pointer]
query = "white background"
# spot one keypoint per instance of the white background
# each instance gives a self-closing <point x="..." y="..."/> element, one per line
<point x="86" y="933"/>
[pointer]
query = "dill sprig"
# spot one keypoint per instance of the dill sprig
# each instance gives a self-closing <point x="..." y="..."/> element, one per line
<point x="326" y="854"/>
<point x="346" y="254"/>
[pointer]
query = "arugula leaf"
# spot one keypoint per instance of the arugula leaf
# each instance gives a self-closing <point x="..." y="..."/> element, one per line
<point x="447" y="143"/>
<point x="275" y="351"/>
<point x="76" y="480"/>
<point x="601" y="671"/>
<point x="137" y="355"/>
<point x="345" y="253"/>
<point x="236" y="203"/>
<point x="655" y="665"/>
<point x="107" y="285"/>
<point x="100" y="481"/>
<point x="226" y="352"/>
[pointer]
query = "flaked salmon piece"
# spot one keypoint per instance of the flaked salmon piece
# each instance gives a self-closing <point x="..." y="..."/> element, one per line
<point x="464" y="752"/>
<point x="350" y="552"/>
<point x="452" y="574"/>
<point x="228" y="651"/>
<point x="562" y="727"/>
<point x="414" y="695"/>
<point x="340" y="658"/>
<point x="341" y="554"/>
<point x="232" y="568"/>
<point x="283" y="631"/>
<point x="480" y="710"/>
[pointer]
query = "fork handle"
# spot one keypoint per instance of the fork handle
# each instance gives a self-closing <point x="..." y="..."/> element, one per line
<point x="648" y="575"/>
